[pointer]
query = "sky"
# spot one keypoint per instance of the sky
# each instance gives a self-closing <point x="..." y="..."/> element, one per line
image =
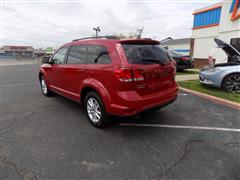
<point x="51" y="23"/>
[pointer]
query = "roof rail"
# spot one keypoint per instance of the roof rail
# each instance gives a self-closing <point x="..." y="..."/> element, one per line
<point x="98" y="37"/>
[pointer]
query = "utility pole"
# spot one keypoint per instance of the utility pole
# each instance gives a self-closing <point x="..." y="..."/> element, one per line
<point x="139" y="32"/>
<point x="97" y="29"/>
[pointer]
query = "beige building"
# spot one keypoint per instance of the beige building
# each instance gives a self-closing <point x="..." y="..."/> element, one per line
<point x="20" y="52"/>
<point x="16" y="52"/>
<point x="221" y="21"/>
<point x="179" y="45"/>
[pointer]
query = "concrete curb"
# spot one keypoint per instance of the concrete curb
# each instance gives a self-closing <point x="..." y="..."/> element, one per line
<point x="213" y="98"/>
<point x="187" y="77"/>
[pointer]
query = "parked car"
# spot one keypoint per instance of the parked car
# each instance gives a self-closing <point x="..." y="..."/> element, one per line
<point x="111" y="76"/>
<point x="182" y="61"/>
<point x="223" y="75"/>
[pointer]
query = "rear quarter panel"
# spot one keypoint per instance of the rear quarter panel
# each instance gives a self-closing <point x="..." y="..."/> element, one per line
<point x="99" y="87"/>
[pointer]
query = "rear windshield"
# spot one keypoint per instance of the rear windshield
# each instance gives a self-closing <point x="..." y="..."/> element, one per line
<point x="146" y="54"/>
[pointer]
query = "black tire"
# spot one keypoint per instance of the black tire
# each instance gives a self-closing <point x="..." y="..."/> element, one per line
<point x="101" y="122"/>
<point x="46" y="92"/>
<point x="231" y="83"/>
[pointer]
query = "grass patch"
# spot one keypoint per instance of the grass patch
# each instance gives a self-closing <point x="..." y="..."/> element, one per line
<point x="187" y="72"/>
<point x="197" y="86"/>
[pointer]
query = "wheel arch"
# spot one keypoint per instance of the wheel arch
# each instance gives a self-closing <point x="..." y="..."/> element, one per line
<point x="228" y="74"/>
<point x="94" y="85"/>
<point x="41" y="73"/>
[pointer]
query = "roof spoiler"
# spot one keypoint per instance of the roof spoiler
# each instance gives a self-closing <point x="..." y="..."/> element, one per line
<point x="140" y="41"/>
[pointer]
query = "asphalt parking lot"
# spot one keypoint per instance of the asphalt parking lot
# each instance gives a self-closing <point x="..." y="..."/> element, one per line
<point x="50" y="138"/>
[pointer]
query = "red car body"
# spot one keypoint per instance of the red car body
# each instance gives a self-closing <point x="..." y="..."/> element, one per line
<point x="126" y="89"/>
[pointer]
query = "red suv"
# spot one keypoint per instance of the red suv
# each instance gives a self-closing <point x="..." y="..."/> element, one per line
<point x="111" y="76"/>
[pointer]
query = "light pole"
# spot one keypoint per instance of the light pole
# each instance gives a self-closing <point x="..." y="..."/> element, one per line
<point x="166" y="39"/>
<point x="97" y="29"/>
<point x="139" y="32"/>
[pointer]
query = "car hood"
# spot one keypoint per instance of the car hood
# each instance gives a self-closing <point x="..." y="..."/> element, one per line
<point x="227" y="48"/>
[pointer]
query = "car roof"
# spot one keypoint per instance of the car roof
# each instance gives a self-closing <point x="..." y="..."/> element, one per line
<point x="112" y="41"/>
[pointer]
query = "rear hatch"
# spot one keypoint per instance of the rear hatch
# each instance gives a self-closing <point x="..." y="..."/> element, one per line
<point x="152" y="64"/>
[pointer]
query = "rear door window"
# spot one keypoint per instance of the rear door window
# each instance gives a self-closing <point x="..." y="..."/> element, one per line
<point x="98" y="55"/>
<point x="77" y="55"/>
<point x="145" y="54"/>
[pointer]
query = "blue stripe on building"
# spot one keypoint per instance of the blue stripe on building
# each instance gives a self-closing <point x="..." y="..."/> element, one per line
<point x="207" y="18"/>
<point x="181" y="50"/>
<point x="233" y="5"/>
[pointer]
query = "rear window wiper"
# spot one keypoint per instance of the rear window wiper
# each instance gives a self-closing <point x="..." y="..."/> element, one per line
<point x="153" y="60"/>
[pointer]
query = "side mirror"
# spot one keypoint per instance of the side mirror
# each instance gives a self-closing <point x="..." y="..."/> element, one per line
<point x="46" y="60"/>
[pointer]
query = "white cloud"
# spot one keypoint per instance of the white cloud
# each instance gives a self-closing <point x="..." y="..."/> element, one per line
<point x="51" y="24"/>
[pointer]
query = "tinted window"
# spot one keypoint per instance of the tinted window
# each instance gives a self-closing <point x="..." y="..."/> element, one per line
<point x="59" y="57"/>
<point x="145" y="54"/>
<point x="77" y="55"/>
<point x="98" y="55"/>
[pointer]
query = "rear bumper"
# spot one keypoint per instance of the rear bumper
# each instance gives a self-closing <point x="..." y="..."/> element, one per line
<point x="127" y="106"/>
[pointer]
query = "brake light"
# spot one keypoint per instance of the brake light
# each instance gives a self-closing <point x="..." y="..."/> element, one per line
<point x="129" y="75"/>
<point x="124" y="75"/>
<point x="184" y="58"/>
<point x="138" y="75"/>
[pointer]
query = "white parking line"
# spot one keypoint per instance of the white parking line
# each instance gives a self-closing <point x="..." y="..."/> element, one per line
<point x="17" y="64"/>
<point x="180" y="127"/>
<point x="183" y="94"/>
<point x="22" y="84"/>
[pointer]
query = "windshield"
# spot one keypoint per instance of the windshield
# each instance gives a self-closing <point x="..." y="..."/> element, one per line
<point x="145" y="54"/>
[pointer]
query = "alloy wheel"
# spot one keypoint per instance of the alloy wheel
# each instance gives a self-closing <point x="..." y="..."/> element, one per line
<point x="44" y="86"/>
<point x="233" y="83"/>
<point x="93" y="110"/>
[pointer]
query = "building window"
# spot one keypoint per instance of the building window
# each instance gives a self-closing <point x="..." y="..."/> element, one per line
<point x="207" y="18"/>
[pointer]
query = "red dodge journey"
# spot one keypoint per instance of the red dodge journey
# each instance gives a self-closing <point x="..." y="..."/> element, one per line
<point x="109" y="76"/>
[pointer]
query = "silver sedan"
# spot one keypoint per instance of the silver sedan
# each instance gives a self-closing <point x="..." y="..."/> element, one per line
<point x="225" y="75"/>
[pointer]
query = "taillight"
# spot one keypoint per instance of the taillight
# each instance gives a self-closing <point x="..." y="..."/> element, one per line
<point x="184" y="58"/>
<point x="138" y="75"/>
<point x="129" y="75"/>
<point x="124" y="75"/>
